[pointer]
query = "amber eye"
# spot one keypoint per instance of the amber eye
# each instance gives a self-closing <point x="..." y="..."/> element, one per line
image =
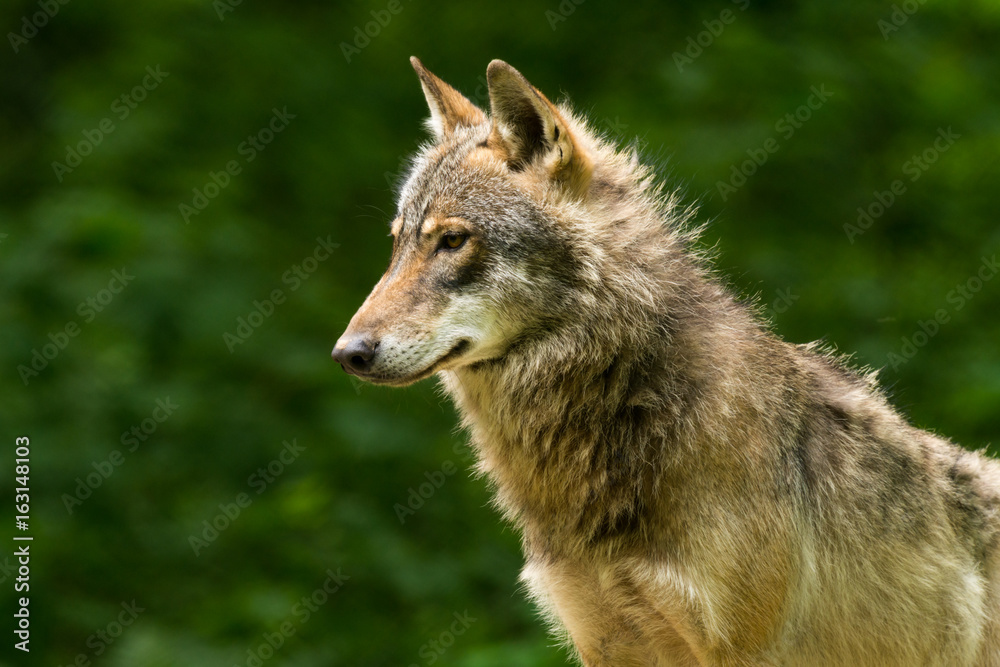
<point x="453" y="240"/>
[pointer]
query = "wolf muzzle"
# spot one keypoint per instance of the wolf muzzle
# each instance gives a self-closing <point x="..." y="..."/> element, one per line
<point x="355" y="354"/>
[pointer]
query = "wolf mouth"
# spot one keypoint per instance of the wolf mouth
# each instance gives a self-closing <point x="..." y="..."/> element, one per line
<point x="456" y="351"/>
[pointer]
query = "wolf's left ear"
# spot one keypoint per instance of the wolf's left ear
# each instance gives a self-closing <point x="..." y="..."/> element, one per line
<point x="449" y="108"/>
<point x="527" y="126"/>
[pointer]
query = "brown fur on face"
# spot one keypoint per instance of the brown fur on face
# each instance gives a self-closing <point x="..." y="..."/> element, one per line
<point x="691" y="490"/>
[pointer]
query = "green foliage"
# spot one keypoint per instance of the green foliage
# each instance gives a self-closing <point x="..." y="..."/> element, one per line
<point x="324" y="178"/>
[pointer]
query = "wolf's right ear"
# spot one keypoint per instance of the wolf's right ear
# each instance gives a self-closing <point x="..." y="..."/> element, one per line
<point x="527" y="126"/>
<point x="449" y="108"/>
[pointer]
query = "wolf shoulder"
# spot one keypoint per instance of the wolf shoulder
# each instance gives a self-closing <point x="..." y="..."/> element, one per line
<point x="853" y="457"/>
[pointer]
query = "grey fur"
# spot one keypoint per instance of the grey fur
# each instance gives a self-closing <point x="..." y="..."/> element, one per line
<point x="691" y="490"/>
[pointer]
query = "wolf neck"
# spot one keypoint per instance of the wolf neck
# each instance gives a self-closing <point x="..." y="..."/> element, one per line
<point x="580" y="432"/>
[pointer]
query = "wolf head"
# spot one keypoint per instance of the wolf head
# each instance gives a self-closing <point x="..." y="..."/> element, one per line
<point x="491" y="240"/>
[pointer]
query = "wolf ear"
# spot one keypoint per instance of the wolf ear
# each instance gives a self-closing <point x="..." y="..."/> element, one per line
<point x="527" y="125"/>
<point x="449" y="108"/>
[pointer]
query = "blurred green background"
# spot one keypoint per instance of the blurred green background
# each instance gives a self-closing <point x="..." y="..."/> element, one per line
<point x="702" y="87"/>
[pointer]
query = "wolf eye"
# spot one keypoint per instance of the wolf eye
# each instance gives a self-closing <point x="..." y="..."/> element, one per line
<point x="453" y="240"/>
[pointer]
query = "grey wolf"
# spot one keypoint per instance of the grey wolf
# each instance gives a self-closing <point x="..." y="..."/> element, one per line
<point x="691" y="490"/>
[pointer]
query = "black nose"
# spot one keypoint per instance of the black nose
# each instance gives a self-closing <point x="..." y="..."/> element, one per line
<point x="356" y="355"/>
